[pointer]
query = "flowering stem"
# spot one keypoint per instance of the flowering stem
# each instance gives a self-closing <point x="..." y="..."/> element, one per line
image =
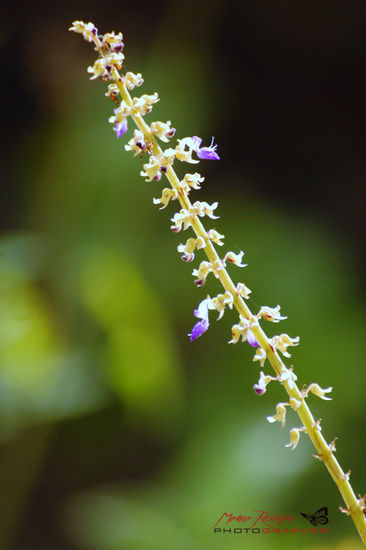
<point x="355" y="507"/>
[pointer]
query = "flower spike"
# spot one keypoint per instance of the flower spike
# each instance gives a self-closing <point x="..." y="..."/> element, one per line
<point x="159" y="164"/>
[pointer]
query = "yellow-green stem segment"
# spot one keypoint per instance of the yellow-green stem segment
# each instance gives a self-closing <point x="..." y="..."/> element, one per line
<point x="324" y="451"/>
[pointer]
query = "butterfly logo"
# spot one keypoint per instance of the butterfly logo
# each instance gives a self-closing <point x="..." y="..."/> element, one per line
<point x="319" y="517"/>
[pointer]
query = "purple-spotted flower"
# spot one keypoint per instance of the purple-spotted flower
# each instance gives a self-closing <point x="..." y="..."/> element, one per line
<point x="205" y="153"/>
<point x="201" y="326"/>
<point x="261" y="387"/>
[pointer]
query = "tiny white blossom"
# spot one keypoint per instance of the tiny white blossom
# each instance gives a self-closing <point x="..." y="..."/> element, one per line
<point x="113" y="91"/>
<point x="294" y="437"/>
<point x="151" y="169"/>
<point x="189" y="247"/>
<point x="288" y="376"/>
<point x="261" y="386"/>
<point x="318" y="391"/>
<point x="184" y="150"/>
<point x="260" y="355"/>
<point x="192" y="181"/>
<point x="243" y="290"/>
<point x="201" y="209"/>
<point x="183" y="218"/>
<point x="112" y="38"/>
<point x="88" y="30"/>
<point x="215" y="237"/>
<point x="282" y="342"/>
<point x="143" y="104"/>
<point x="234" y="258"/>
<point x="162" y="130"/>
<point x="137" y="143"/>
<point x="280" y="415"/>
<point x="132" y="80"/>
<point x="167" y="195"/>
<point x="221" y="301"/>
<point x="270" y="314"/>
<point x="201" y="273"/>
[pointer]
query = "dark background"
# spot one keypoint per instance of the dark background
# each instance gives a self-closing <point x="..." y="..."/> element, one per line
<point x="281" y="86"/>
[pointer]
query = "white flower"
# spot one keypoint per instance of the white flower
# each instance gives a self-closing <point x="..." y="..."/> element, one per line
<point x="270" y="314"/>
<point x="152" y="169"/>
<point x="282" y="342"/>
<point x="167" y="195"/>
<point x="288" y="376"/>
<point x="204" y="209"/>
<point x="113" y="91"/>
<point x="280" y="415"/>
<point x="183" y="218"/>
<point x="318" y="391"/>
<point x="137" y="143"/>
<point x="88" y="30"/>
<point x="201" y="273"/>
<point x="143" y="104"/>
<point x="162" y="130"/>
<point x="184" y="150"/>
<point x="220" y="301"/>
<point x="260" y="355"/>
<point x="243" y="290"/>
<point x="192" y="181"/>
<point x="261" y="387"/>
<point x="132" y="80"/>
<point x="190" y="246"/>
<point x="294" y="437"/>
<point x="234" y="258"/>
<point x="120" y="113"/>
<point x="112" y="38"/>
<point x="215" y="237"/>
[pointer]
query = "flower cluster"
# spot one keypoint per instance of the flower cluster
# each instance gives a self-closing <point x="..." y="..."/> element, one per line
<point x="157" y="163"/>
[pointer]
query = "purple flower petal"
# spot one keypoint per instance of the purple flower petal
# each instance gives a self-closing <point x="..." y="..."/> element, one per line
<point x="251" y="339"/>
<point x="197" y="142"/>
<point x="198" y="329"/>
<point x="206" y="153"/>
<point x="121" y="128"/>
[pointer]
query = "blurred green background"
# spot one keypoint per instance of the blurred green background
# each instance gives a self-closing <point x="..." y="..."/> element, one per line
<point x="116" y="432"/>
